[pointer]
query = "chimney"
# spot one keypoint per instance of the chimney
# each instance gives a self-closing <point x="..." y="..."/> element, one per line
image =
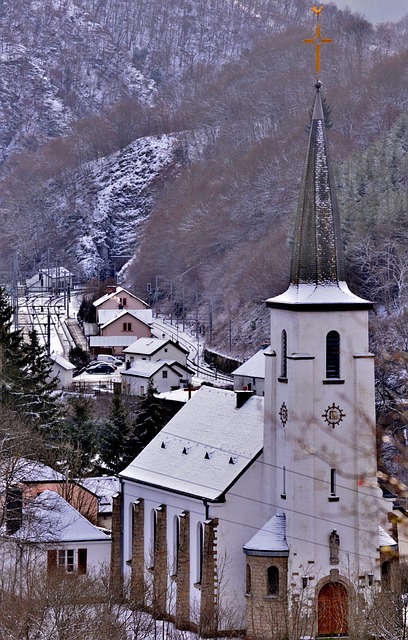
<point x="242" y="397"/>
<point x="111" y="288"/>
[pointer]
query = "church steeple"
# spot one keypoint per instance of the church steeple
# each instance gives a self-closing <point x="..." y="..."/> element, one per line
<point x="317" y="252"/>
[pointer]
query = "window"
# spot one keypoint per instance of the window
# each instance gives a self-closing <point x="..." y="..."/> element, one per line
<point x="283" y="494"/>
<point x="68" y="560"/>
<point x="332" y="482"/>
<point x="176" y="544"/>
<point x="284" y="355"/>
<point x="127" y="326"/>
<point x="200" y="552"/>
<point x="164" y="374"/>
<point x="248" y="585"/>
<point x="273" y="581"/>
<point x="333" y="355"/>
<point x="153" y="537"/>
<point x="123" y="302"/>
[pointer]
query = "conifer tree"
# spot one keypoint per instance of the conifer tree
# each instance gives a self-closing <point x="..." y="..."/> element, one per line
<point x="25" y="375"/>
<point x="116" y="442"/>
<point x="151" y="418"/>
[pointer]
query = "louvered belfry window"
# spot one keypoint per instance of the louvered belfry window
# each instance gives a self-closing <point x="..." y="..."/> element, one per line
<point x="333" y="355"/>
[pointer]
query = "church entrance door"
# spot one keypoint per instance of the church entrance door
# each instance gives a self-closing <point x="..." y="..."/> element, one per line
<point x="333" y="610"/>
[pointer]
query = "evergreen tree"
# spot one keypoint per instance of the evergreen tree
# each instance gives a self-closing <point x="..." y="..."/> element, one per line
<point x="25" y="374"/>
<point x="116" y="442"/>
<point x="151" y="418"/>
<point x="80" y="432"/>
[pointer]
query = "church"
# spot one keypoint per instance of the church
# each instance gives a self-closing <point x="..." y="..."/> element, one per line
<point x="256" y="514"/>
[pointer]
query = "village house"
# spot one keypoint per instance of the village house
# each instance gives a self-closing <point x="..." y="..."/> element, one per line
<point x="154" y="349"/>
<point x="250" y="375"/>
<point x="164" y="375"/>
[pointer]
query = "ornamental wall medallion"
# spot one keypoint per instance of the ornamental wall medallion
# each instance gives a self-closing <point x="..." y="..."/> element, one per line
<point x="333" y="415"/>
<point x="283" y="413"/>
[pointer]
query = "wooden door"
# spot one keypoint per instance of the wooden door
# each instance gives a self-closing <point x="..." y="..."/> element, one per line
<point x="333" y="610"/>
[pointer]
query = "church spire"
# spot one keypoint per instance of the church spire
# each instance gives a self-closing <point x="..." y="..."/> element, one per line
<point x="317" y="253"/>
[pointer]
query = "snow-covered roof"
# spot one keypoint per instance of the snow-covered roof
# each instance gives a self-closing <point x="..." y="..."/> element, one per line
<point x="149" y="346"/>
<point x="125" y="312"/>
<point x="25" y="470"/>
<point x="147" y="368"/>
<point x="50" y="518"/>
<point x="176" y="395"/>
<point x="62" y="362"/>
<point x="113" y="294"/>
<point x="56" y="272"/>
<point x="103" y="487"/>
<point x="110" y="341"/>
<point x="318" y="294"/>
<point x="385" y="540"/>
<point x="254" y="367"/>
<point x="104" y="315"/>
<point x="206" y="446"/>
<point x="270" y="540"/>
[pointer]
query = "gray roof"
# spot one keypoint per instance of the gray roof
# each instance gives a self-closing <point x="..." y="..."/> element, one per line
<point x="62" y="362"/>
<point x="205" y="448"/>
<point x="254" y="367"/>
<point x="25" y="470"/>
<point x="317" y="251"/>
<point x="110" y="341"/>
<point x="270" y="540"/>
<point x="50" y="518"/>
<point x="105" y="488"/>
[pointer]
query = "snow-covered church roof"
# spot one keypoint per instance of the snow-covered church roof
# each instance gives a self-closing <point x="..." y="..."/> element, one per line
<point x="270" y="540"/>
<point x="205" y="448"/>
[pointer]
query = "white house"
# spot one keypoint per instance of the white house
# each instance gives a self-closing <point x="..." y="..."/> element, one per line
<point x="52" y="535"/>
<point x="62" y="369"/>
<point x="154" y="349"/>
<point x="244" y="505"/>
<point x="163" y="374"/>
<point x="251" y="374"/>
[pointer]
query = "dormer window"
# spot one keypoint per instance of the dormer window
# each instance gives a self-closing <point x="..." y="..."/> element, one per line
<point x="333" y="355"/>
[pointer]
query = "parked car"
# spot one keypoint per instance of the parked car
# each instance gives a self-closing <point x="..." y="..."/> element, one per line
<point x="106" y="357"/>
<point x="101" y="367"/>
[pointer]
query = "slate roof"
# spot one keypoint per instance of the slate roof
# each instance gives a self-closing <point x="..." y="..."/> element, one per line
<point x="50" y="518"/>
<point x="25" y="470"/>
<point x="204" y="449"/>
<point x="270" y="540"/>
<point x="105" y="488"/>
<point x="254" y="367"/>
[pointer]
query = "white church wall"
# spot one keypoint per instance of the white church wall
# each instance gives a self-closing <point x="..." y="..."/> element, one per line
<point x="307" y="447"/>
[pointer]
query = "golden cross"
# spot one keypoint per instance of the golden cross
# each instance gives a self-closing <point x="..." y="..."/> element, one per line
<point x="317" y="40"/>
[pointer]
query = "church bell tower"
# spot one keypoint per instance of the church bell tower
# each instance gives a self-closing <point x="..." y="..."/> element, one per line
<point x="320" y="443"/>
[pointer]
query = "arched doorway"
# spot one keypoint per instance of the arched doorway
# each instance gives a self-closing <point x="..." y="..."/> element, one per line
<point x="333" y="610"/>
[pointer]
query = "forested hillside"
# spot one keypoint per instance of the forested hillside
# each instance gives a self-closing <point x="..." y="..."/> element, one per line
<point x="170" y="135"/>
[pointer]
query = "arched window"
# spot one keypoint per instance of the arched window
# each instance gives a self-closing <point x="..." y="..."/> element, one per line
<point x="153" y="536"/>
<point x="284" y="355"/>
<point x="333" y="355"/>
<point x="200" y="552"/>
<point x="273" y="581"/>
<point x="248" y="585"/>
<point x="176" y="544"/>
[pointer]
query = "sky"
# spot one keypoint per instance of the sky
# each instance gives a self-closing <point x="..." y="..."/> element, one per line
<point x="377" y="10"/>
